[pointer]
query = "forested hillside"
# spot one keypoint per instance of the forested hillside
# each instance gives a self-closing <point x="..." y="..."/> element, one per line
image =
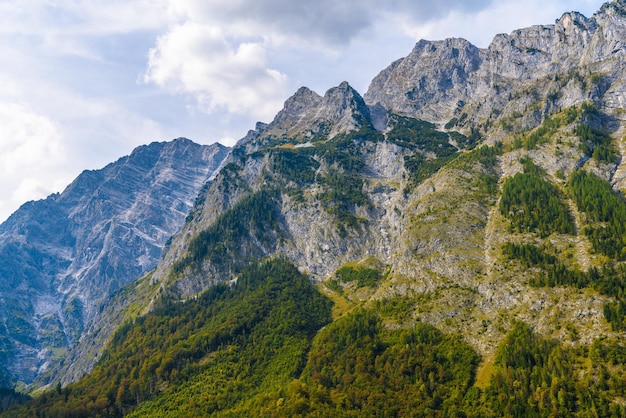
<point x="452" y="243"/>
<point x="262" y="347"/>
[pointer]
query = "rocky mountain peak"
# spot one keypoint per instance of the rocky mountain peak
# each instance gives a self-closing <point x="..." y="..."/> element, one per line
<point x="441" y="80"/>
<point x="344" y="108"/>
<point x="63" y="257"/>
<point x="611" y="9"/>
<point x="574" y="21"/>
<point x="297" y="106"/>
<point x="306" y="115"/>
<point x="429" y="81"/>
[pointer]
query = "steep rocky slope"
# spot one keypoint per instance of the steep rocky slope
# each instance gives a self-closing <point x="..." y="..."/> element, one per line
<point x="532" y="71"/>
<point x="63" y="257"/>
<point x="403" y="184"/>
<point x="453" y="192"/>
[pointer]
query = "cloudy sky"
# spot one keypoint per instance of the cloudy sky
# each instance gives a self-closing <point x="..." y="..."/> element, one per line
<point x="83" y="82"/>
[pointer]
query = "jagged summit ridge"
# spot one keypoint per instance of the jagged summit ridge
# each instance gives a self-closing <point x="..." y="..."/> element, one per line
<point x="306" y="115"/>
<point x="467" y="79"/>
<point x="434" y="73"/>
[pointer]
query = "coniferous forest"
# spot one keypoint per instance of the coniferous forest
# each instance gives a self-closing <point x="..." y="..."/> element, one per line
<point x="450" y="244"/>
<point x="265" y="347"/>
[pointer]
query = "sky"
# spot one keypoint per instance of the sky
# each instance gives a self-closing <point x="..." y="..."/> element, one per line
<point x="83" y="82"/>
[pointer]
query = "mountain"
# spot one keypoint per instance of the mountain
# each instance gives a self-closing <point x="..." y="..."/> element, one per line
<point x="63" y="257"/>
<point x="464" y="216"/>
<point x="343" y="188"/>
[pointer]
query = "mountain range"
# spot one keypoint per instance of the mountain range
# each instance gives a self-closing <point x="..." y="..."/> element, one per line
<point x="63" y="257"/>
<point x="449" y="243"/>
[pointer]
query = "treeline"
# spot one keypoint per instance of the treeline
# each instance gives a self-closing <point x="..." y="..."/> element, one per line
<point x="217" y="349"/>
<point x="608" y="280"/>
<point x="537" y="377"/>
<point x="603" y="205"/>
<point x="532" y="204"/>
<point x="255" y="215"/>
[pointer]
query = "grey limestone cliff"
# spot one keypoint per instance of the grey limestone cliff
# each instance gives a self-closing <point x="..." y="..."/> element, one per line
<point x="63" y="257"/>
<point x="343" y="178"/>
<point x="543" y="65"/>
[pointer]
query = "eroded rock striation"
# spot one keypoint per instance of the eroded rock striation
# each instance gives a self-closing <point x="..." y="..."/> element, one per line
<point x="63" y="258"/>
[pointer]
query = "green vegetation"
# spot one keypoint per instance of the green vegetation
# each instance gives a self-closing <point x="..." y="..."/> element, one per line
<point x="398" y="308"/>
<point x="451" y="123"/>
<point x="363" y="276"/>
<point x="455" y="121"/>
<point x="542" y="134"/>
<point x="418" y="134"/>
<point x="343" y="150"/>
<point x="608" y="280"/>
<point x="596" y="143"/>
<point x="254" y="350"/>
<point x="357" y="368"/>
<point x="424" y="139"/>
<point x="555" y="272"/>
<point x="603" y="206"/>
<point x="550" y="126"/>
<point x="203" y="356"/>
<point x="420" y="168"/>
<point x="343" y="185"/>
<point x="10" y="399"/>
<point x="253" y="218"/>
<point x="536" y="377"/>
<point x="344" y="191"/>
<point x="485" y="155"/>
<point x="293" y="165"/>
<point x="533" y="204"/>
<point x="482" y="162"/>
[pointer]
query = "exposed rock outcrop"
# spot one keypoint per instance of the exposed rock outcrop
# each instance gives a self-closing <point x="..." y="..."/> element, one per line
<point x="63" y="257"/>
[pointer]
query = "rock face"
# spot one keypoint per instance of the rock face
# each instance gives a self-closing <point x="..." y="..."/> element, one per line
<point x="393" y="181"/>
<point x="440" y="80"/>
<point x="307" y="116"/>
<point x="432" y="81"/>
<point x="346" y="179"/>
<point x="63" y="257"/>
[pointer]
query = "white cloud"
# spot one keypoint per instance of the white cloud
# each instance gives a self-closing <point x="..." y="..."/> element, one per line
<point x="199" y="60"/>
<point x="27" y="140"/>
<point x="30" y="147"/>
<point x="73" y="27"/>
<point x="50" y="134"/>
<point x="85" y="17"/>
